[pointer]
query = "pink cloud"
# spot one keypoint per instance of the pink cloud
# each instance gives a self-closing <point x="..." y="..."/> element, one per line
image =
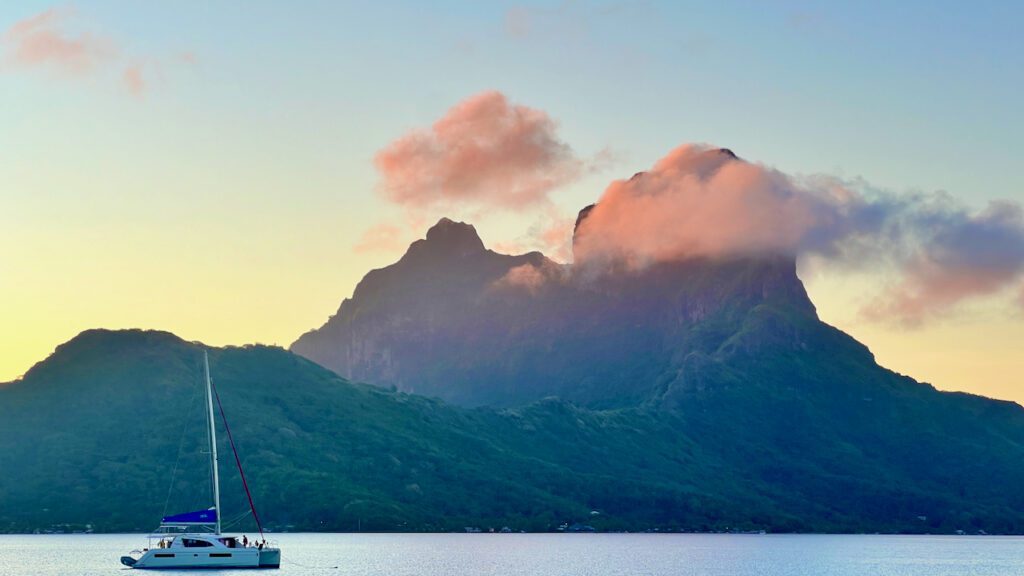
<point x="526" y="276"/>
<point x="41" y="41"/>
<point x="46" y="41"/>
<point x="517" y="22"/>
<point x="134" y="80"/>
<point x="512" y="247"/>
<point x="957" y="256"/>
<point x="556" y="237"/>
<point x="532" y="278"/>
<point x="928" y="288"/>
<point x="382" y="238"/>
<point x="552" y="235"/>
<point x="483" y="153"/>
<point x="701" y="202"/>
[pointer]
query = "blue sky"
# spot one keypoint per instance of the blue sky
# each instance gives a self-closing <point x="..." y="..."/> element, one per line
<point x="253" y="165"/>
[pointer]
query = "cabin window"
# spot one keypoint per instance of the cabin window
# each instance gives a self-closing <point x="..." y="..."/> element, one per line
<point x="164" y="555"/>
<point x="193" y="543"/>
<point x="220" y="555"/>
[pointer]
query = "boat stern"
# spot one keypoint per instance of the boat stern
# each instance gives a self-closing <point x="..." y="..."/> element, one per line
<point x="270" y="558"/>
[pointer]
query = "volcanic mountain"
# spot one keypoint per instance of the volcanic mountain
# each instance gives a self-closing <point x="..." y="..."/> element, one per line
<point x="697" y="394"/>
<point x="730" y="351"/>
<point x="455" y="320"/>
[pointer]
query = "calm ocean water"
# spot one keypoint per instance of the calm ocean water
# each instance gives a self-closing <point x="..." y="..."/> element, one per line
<point x="561" y="554"/>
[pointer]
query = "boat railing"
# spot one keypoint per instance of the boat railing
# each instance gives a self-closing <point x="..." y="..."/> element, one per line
<point x="266" y="545"/>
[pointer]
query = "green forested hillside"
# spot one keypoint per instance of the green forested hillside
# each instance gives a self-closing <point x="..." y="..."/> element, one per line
<point x="814" y="442"/>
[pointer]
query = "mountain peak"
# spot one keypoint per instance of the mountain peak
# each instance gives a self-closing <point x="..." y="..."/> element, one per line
<point x="450" y="238"/>
<point x="727" y="152"/>
<point x="98" y="342"/>
<point x="580" y="217"/>
<point x="105" y="337"/>
<point x="448" y="228"/>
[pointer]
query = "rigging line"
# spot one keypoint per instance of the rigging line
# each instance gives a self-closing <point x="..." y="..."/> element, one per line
<point x="181" y="445"/>
<point x="238" y="462"/>
<point x="235" y="520"/>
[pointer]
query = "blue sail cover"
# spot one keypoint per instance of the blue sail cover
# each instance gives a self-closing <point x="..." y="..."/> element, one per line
<point x="192" y="518"/>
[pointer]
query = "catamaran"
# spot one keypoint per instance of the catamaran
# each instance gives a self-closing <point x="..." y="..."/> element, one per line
<point x="194" y="539"/>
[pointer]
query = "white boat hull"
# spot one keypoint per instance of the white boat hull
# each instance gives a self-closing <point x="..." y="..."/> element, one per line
<point x="270" y="558"/>
<point x="238" y="558"/>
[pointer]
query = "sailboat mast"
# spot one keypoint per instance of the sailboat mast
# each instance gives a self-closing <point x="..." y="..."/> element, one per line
<point x="213" y="438"/>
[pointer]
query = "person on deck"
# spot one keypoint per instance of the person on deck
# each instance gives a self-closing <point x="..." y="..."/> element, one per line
<point x="245" y="541"/>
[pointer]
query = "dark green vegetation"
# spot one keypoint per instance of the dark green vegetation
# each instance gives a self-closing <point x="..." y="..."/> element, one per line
<point x="696" y="396"/>
<point x="91" y="436"/>
<point x="817" y="443"/>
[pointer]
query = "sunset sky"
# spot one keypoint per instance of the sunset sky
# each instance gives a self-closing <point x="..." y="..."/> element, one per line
<point x="228" y="172"/>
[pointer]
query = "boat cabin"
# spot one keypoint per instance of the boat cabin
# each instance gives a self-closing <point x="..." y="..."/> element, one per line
<point x="198" y="541"/>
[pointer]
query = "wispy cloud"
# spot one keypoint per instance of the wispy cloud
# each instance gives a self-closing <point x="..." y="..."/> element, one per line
<point x="567" y="20"/>
<point x="43" y="41"/>
<point x="52" y="40"/>
<point x="956" y="255"/>
<point x="382" y="237"/>
<point x="134" y="79"/>
<point x="533" y="279"/>
<point x="517" y="21"/>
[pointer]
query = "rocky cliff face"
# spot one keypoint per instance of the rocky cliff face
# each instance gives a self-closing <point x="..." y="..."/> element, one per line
<point x="413" y="310"/>
<point x="472" y="326"/>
